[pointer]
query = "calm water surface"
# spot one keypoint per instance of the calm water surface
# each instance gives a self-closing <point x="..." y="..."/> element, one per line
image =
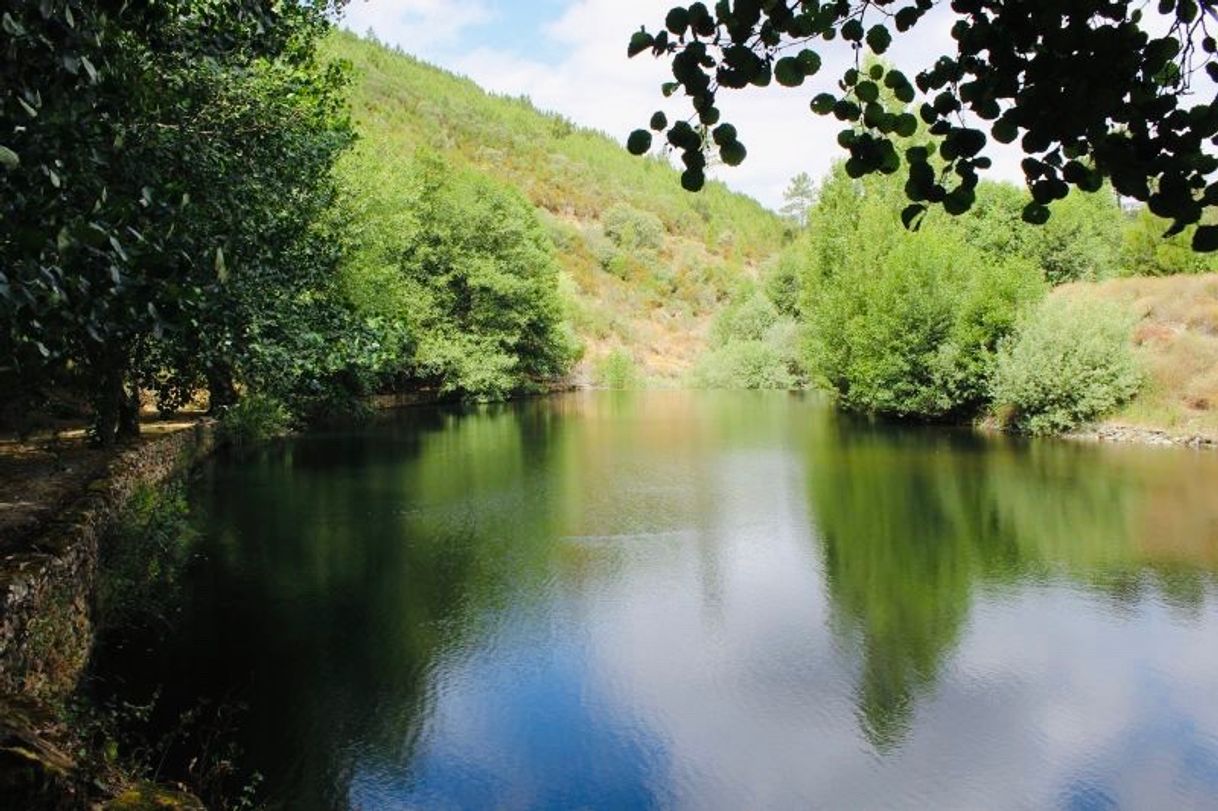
<point x="697" y="601"/>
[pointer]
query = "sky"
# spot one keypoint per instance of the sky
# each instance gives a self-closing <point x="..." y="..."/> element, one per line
<point x="569" y="56"/>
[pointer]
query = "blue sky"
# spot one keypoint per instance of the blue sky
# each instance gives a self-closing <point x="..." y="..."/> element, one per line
<point x="570" y="56"/>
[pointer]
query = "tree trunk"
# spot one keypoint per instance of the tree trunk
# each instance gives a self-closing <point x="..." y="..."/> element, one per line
<point x="129" y="411"/>
<point x="221" y="392"/>
<point x="107" y="401"/>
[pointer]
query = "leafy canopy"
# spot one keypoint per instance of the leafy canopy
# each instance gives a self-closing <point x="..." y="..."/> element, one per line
<point x="1084" y="87"/>
<point x="161" y="169"/>
<point x="901" y="326"/>
<point x="456" y="275"/>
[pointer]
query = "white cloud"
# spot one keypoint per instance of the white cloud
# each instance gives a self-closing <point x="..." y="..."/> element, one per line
<point x="422" y="27"/>
<point x="594" y="84"/>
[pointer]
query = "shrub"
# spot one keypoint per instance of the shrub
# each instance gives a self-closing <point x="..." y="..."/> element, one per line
<point x="746" y="319"/>
<point x="143" y="558"/>
<point x="782" y="284"/>
<point x="633" y="230"/>
<point x="752" y="346"/>
<point x="913" y="331"/>
<point x="255" y="418"/>
<point x="750" y="364"/>
<point x="1069" y="362"/>
<point x="601" y="247"/>
<point x="618" y="370"/>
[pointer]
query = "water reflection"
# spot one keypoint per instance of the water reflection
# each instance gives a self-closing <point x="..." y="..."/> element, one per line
<point x="913" y="522"/>
<point x="707" y="601"/>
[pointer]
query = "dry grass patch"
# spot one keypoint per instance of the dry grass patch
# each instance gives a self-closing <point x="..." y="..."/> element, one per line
<point x="1177" y="343"/>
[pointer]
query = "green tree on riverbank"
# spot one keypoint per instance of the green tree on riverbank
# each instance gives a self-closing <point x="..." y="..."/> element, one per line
<point x="456" y="275"/>
<point x="162" y="168"/>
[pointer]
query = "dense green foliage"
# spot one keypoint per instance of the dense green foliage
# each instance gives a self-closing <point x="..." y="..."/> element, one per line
<point x="753" y="345"/>
<point x="643" y="265"/>
<point x="1145" y="251"/>
<point x="174" y="223"/>
<point x="1091" y="91"/>
<point x="255" y="418"/>
<point x="164" y="166"/>
<point x="1070" y="362"/>
<point x="899" y="323"/>
<point x="951" y="321"/>
<point x="1080" y="243"/>
<point x="456" y="276"/>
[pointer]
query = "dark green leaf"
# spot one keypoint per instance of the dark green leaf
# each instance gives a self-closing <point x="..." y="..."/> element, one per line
<point x="733" y="153"/>
<point x="639" y="142"/>
<point x="1205" y="239"/>
<point x="788" y="72"/>
<point x="878" y="39"/>
<point x="912" y="216"/>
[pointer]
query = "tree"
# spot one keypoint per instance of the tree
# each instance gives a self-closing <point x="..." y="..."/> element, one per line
<point x="799" y="198"/>
<point x="1080" y="243"/>
<point x="1084" y="86"/>
<point x="459" y="273"/>
<point x="901" y="326"/>
<point x="157" y="158"/>
<point x="1144" y="251"/>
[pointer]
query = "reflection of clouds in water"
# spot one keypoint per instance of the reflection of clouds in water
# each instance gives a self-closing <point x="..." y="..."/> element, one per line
<point x="515" y="726"/>
<point x="1050" y="698"/>
<point x="684" y="657"/>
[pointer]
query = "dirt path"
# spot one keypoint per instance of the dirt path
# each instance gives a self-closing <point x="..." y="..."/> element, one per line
<point x="40" y="477"/>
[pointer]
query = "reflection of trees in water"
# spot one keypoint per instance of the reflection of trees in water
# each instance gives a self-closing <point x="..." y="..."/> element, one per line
<point x="896" y="563"/>
<point x="911" y="520"/>
<point x="343" y="569"/>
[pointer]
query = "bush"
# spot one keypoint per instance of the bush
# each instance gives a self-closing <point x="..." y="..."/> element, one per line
<point x="752" y="364"/>
<point x="746" y="319"/>
<point x="618" y="370"/>
<point x="782" y="284"/>
<point x="633" y="230"/>
<point x="255" y="418"/>
<point x="752" y="347"/>
<point x="913" y="332"/>
<point x="1069" y="362"/>
<point x="143" y="558"/>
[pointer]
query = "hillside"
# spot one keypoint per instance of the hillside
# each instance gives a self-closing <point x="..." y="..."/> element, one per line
<point x="645" y="264"/>
<point x="1176" y="339"/>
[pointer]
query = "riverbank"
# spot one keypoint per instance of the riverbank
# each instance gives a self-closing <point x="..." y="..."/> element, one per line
<point x="1133" y="434"/>
<point x="61" y="501"/>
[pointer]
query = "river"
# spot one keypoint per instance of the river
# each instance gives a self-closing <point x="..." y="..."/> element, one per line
<point x="702" y="601"/>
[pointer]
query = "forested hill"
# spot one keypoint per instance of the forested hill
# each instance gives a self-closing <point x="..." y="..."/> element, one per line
<point x="645" y="265"/>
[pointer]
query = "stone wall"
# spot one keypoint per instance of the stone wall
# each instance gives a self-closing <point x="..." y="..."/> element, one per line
<point x="47" y="588"/>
